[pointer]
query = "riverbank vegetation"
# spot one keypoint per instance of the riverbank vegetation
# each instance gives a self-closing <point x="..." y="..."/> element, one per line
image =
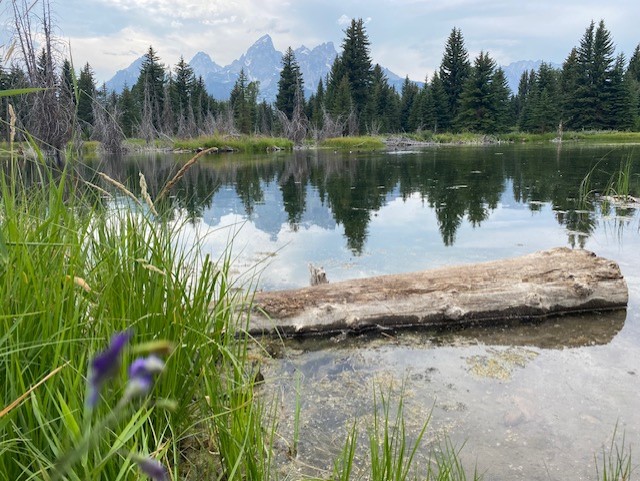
<point x="596" y="90"/>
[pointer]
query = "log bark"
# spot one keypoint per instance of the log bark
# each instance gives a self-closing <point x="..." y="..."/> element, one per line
<point x="547" y="283"/>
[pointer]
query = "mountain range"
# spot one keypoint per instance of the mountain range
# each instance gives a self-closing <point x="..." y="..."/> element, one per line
<point x="262" y="62"/>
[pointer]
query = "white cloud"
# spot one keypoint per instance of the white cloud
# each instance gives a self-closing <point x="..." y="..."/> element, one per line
<point x="407" y="36"/>
<point x="344" y="20"/>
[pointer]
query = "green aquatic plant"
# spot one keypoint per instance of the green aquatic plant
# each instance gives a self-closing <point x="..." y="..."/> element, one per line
<point x="615" y="462"/>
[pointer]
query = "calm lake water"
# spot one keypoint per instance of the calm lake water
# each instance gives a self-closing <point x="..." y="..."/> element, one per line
<point x="529" y="402"/>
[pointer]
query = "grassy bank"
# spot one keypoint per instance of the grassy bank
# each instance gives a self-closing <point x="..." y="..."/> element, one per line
<point x="244" y="143"/>
<point x="353" y="143"/>
<point x="467" y="138"/>
<point x="74" y="271"/>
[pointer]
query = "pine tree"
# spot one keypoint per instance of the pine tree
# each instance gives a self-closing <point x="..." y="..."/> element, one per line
<point x="500" y="106"/>
<point x="594" y="68"/>
<point x="520" y="100"/>
<point x="435" y="111"/>
<point x="149" y="89"/>
<point x="477" y="102"/>
<point x="620" y="101"/>
<point x="357" y="63"/>
<point x="86" y="97"/>
<point x="243" y="100"/>
<point x="546" y="113"/>
<point x="408" y="98"/>
<point x="67" y="81"/>
<point x="454" y="71"/>
<point x="383" y="105"/>
<point x="352" y="72"/>
<point x="315" y="106"/>
<point x="603" y="66"/>
<point x="633" y="76"/>
<point x="342" y="104"/>
<point x="182" y="86"/>
<point x="633" y="70"/>
<point x="129" y="115"/>
<point x="569" y="82"/>
<point x="290" y="82"/>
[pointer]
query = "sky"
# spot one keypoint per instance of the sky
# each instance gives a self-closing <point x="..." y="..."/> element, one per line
<point x="407" y="36"/>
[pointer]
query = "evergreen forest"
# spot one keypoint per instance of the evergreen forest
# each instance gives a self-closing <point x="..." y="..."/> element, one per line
<point x="596" y="88"/>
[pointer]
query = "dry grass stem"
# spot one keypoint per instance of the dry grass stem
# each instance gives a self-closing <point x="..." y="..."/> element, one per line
<point x="169" y="185"/>
<point x="12" y="125"/>
<point x="18" y="401"/>
<point x="80" y="282"/>
<point x="120" y="187"/>
<point x="151" y="267"/>
<point x="145" y="194"/>
<point x="99" y="189"/>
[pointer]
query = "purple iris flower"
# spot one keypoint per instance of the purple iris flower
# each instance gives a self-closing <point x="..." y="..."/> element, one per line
<point x="152" y="468"/>
<point x="105" y="365"/>
<point x="141" y="372"/>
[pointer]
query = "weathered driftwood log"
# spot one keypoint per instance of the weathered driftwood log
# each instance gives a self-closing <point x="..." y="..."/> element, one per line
<point x="554" y="282"/>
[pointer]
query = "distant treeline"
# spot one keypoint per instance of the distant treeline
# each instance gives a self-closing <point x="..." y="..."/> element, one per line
<point x="594" y="90"/>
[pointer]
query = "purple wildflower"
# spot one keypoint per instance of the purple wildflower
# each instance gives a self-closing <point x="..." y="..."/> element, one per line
<point x="146" y="366"/>
<point x="152" y="468"/>
<point x="105" y="365"/>
<point x="141" y="374"/>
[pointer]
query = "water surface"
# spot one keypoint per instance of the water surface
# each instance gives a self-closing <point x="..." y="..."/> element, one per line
<point x="527" y="401"/>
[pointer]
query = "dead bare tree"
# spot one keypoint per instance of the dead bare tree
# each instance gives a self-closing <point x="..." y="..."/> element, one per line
<point x="331" y="127"/>
<point x="146" y="129"/>
<point x="51" y="115"/>
<point x="106" y="128"/>
<point x="295" y="128"/>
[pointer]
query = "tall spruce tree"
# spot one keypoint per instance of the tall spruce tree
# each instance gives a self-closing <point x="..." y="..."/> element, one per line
<point x="315" y="106"/>
<point x="546" y="113"/>
<point x="435" y="111"/>
<point x="569" y="82"/>
<point x="129" y="113"/>
<point x="357" y="62"/>
<point x="454" y="71"/>
<point x="633" y="76"/>
<point x="383" y="106"/>
<point x="86" y="98"/>
<point x="520" y="99"/>
<point x="408" y="98"/>
<point x="351" y="71"/>
<point x="620" y="99"/>
<point x="477" y="103"/>
<point x="290" y="82"/>
<point x="149" y="92"/>
<point x="182" y="86"/>
<point x="594" y="63"/>
<point x="500" y="105"/>
<point x="244" y="103"/>
<point x="633" y="70"/>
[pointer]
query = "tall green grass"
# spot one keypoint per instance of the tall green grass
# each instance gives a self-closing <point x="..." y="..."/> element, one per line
<point x="243" y="143"/>
<point x="353" y="143"/>
<point x="615" y="463"/>
<point x="72" y="272"/>
<point x="393" y="452"/>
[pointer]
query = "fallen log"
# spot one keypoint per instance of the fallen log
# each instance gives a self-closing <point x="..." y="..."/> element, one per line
<point x="547" y="283"/>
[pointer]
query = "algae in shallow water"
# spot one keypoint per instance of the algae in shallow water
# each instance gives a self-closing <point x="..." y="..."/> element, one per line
<point x="500" y="364"/>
